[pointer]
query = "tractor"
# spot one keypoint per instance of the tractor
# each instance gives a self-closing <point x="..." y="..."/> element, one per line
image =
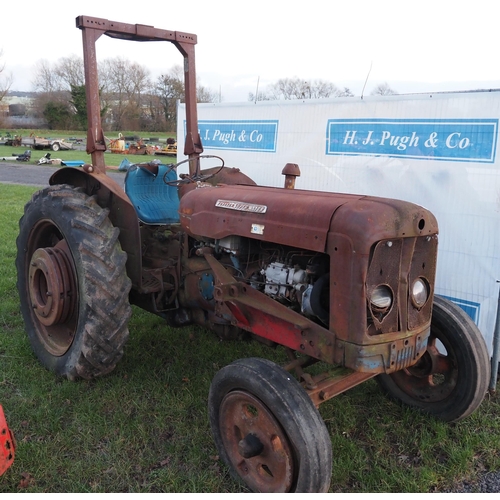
<point x="340" y="281"/>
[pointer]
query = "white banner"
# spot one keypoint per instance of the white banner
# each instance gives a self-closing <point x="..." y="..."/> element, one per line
<point x="436" y="150"/>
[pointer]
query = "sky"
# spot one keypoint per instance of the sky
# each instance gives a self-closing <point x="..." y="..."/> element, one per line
<point x="418" y="46"/>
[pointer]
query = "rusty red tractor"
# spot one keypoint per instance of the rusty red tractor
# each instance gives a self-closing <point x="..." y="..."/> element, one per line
<point x="342" y="279"/>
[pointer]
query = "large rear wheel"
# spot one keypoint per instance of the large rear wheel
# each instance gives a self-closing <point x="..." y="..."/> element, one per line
<point x="451" y="379"/>
<point x="72" y="283"/>
<point x="267" y="429"/>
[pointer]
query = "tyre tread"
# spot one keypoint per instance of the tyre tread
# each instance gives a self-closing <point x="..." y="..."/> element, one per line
<point x="474" y="372"/>
<point x="293" y="408"/>
<point x="102" y="263"/>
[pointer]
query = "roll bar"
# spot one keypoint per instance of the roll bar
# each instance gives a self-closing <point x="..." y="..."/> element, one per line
<point x="92" y="28"/>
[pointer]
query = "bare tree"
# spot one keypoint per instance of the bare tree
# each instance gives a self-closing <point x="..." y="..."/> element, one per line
<point x="286" y="88"/>
<point x="124" y="84"/>
<point x="140" y="86"/>
<point x="345" y="93"/>
<point x="261" y="96"/>
<point x="5" y="80"/>
<point x="132" y="101"/>
<point x="115" y="88"/>
<point x="153" y="115"/>
<point x="320" y="89"/>
<point x="296" y="88"/>
<point x="46" y="79"/>
<point x="169" y="89"/>
<point x="383" y="89"/>
<point x="53" y="93"/>
<point x="58" y="76"/>
<point x="70" y="71"/>
<point x="204" y="94"/>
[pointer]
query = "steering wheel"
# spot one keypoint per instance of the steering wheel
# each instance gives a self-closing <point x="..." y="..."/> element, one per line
<point x="186" y="178"/>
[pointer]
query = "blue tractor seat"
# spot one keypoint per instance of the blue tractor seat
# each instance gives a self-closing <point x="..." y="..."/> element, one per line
<point x="154" y="201"/>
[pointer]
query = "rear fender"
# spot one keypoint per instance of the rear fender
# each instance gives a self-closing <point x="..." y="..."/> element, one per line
<point x="121" y="211"/>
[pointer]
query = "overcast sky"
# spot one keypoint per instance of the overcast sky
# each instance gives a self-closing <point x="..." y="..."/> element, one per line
<point x="418" y="46"/>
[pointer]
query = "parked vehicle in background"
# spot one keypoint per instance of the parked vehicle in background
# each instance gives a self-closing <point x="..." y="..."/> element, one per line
<point x="170" y="148"/>
<point x="36" y="142"/>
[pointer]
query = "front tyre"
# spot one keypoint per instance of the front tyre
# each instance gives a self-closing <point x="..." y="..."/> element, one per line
<point x="267" y="430"/>
<point x="72" y="283"/>
<point x="451" y="379"/>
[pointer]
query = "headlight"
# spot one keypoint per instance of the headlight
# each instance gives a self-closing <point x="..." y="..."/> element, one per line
<point x="419" y="292"/>
<point x="381" y="297"/>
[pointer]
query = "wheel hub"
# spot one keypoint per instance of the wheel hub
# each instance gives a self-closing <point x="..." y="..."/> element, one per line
<point x="256" y="444"/>
<point x="433" y="378"/>
<point x="52" y="286"/>
<point x="250" y="446"/>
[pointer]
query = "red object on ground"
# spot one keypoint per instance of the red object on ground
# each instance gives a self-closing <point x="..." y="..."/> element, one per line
<point x="7" y="444"/>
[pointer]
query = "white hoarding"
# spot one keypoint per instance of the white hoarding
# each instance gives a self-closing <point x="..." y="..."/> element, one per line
<point x="437" y="150"/>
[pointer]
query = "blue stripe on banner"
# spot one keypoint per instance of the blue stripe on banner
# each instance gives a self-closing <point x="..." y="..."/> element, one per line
<point x="471" y="308"/>
<point x="446" y="139"/>
<point x="244" y="135"/>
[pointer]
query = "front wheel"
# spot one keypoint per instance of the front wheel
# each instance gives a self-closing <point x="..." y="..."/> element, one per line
<point x="55" y="146"/>
<point x="451" y="379"/>
<point x="72" y="283"/>
<point x="267" y="430"/>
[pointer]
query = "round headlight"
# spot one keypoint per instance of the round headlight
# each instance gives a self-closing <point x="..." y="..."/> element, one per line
<point x="381" y="297"/>
<point x="419" y="292"/>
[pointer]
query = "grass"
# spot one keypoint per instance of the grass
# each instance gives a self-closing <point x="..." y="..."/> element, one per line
<point x="112" y="159"/>
<point x="144" y="428"/>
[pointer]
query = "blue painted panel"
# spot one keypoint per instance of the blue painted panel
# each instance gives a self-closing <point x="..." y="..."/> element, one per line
<point x="472" y="140"/>
<point x="244" y="135"/>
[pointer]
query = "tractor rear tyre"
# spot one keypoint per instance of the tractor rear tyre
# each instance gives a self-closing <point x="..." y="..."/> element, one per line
<point x="72" y="283"/>
<point x="451" y="379"/>
<point x="267" y="429"/>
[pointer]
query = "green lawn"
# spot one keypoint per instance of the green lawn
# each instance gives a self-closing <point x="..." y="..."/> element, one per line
<point x="144" y="428"/>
